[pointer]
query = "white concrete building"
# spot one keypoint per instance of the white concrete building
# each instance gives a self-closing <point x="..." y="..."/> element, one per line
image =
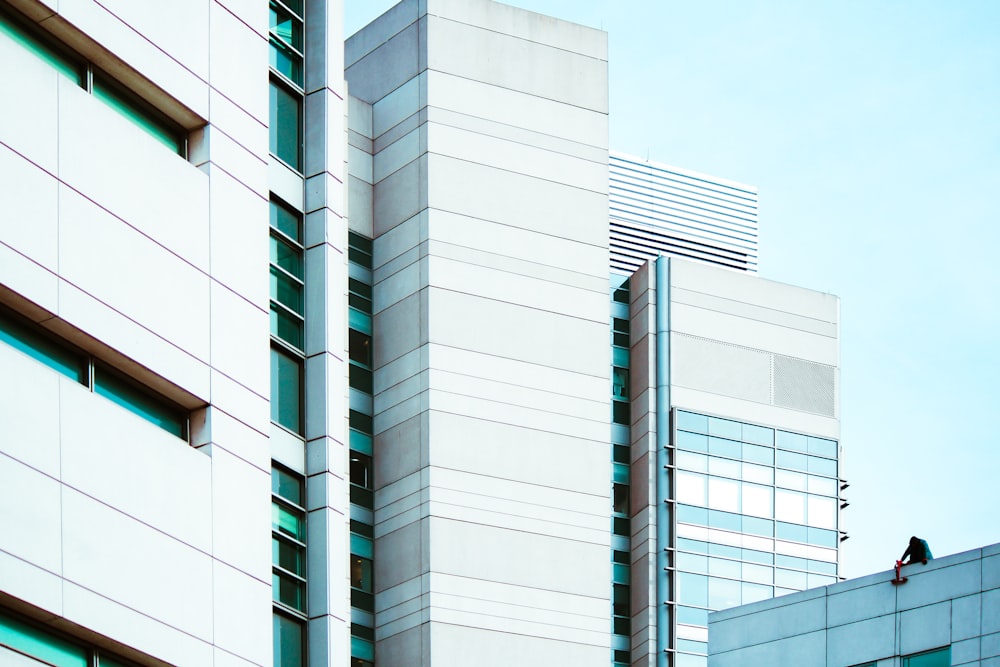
<point x="946" y="614"/>
<point x="248" y="270"/>
<point x="657" y="208"/>
<point x="726" y="417"/>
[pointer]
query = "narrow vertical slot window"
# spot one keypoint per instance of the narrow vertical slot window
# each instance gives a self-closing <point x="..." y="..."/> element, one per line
<point x="286" y="125"/>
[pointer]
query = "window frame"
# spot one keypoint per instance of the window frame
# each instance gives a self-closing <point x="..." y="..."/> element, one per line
<point x="91" y="366"/>
<point x="147" y="117"/>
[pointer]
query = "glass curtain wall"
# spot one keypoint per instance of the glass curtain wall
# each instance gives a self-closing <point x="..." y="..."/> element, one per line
<point x="757" y="511"/>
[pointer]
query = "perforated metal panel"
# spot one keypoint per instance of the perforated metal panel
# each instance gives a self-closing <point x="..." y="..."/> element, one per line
<point x="721" y="368"/>
<point x="752" y="375"/>
<point x="804" y="385"/>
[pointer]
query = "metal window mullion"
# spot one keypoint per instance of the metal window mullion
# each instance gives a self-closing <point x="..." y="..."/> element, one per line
<point x="288" y="538"/>
<point x="283" y="307"/>
<point x="288" y="573"/>
<point x="289" y="84"/>
<point x="288" y="273"/>
<point x="285" y="237"/>
<point x="289" y="10"/>
<point x="281" y="40"/>
<point x="289" y="348"/>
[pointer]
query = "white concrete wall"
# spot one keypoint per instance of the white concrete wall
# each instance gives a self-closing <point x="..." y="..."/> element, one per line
<point x="489" y="129"/>
<point x="952" y="601"/>
<point x="156" y="264"/>
<point x="754" y="350"/>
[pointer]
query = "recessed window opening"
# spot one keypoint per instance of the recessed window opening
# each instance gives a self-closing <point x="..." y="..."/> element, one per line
<point x="27" y="638"/>
<point x="95" y="375"/>
<point x="103" y="87"/>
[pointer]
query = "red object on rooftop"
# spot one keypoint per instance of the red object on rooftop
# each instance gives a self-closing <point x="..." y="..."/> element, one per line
<point x="899" y="580"/>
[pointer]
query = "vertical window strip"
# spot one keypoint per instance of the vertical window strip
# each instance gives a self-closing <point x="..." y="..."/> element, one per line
<point x="362" y="489"/>
<point x="287" y="314"/>
<point x="288" y="562"/>
<point x="621" y="620"/>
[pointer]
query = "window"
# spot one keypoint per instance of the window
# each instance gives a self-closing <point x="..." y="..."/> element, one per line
<point x="289" y="641"/>
<point x="937" y="658"/>
<point x="287" y="286"/>
<point x="101" y="86"/>
<point x="53" y="648"/>
<point x="287" y="316"/>
<point x="80" y="367"/>
<point x="286" y="33"/>
<point x="286" y="125"/>
<point x="288" y="567"/>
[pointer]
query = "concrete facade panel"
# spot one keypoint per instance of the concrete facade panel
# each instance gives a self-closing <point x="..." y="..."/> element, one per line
<point x="30" y="125"/>
<point x="518" y="333"/>
<point x="233" y="44"/>
<point x="542" y="206"/>
<point x="517" y="157"/>
<point x="241" y="614"/>
<point x="130" y="51"/>
<point x="31" y="514"/>
<point x="147" y="634"/>
<point x="166" y="200"/>
<point x="528" y="66"/>
<point x="925" y="628"/>
<point x="136" y="566"/>
<point x="163" y="466"/>
<point x="237" y="216"/>
<point x="239" y="339"/>
<point x="483" y="552"/>
<point x="163" y="293"/>
<point x="181" y="29"/>
<point x="28" y="397"/>
<point x="511" y="107"/>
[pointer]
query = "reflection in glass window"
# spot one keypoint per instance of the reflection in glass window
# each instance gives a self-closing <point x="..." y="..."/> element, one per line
<point x="822" y="512"/>
<point x="724" y="467"/>
<point x="722" y="567"/>
<point x="759" y="474"/>
<point x="937" y="658"/>
<point x="691" y="461"/>
<point x="791" y="460"/>
<point x="790" y="480"/>
<point x="723" y="494"/>
<point x="792" y="441"/>
<point x="688" y="421"/>
<point x="823" y="447"/>
<point x="789" y="506"/>
<point x="790" y="579"/>
<point x="758" y="454"/>
<point x="757" y="500"/>
<point x="286" y="125"/>
<point x="691" y="488"/>
<point x="286" y="389"/>
<point x="758" y="434"/>
<point x="723" y="447"/>
<point x="692" y="589"/>
<point x="692" y="441"/>
<point x="752" y="592"/>
<point x="723" y="593"/>
<point x="725" y="428"/>
<point x="760" y="574"/>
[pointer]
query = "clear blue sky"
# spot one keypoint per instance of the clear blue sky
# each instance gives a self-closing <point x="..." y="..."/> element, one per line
<point x="872" y="130"/>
